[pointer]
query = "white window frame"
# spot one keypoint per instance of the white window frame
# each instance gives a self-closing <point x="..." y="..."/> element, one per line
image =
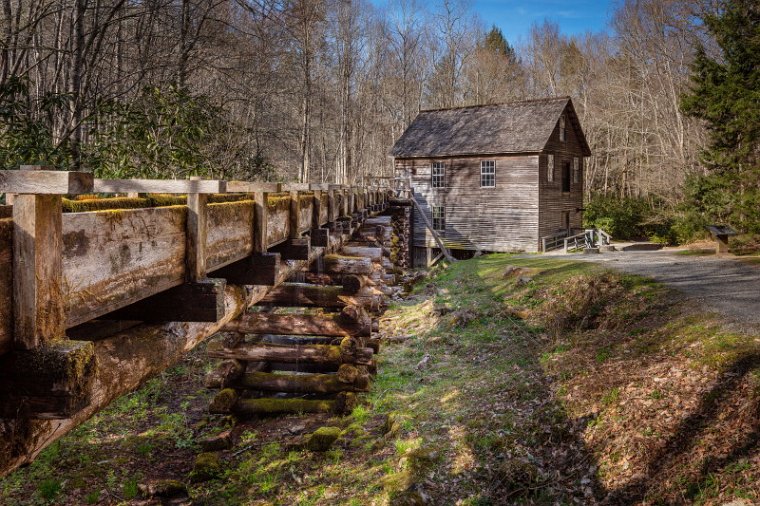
<point x="562" y="134"/>
<point x="437" y="180"/>
<point x="550" y="168"/>
<point x="438" y="218"/>
<point x="489" y="165"/>
<point x="576" y="171"/>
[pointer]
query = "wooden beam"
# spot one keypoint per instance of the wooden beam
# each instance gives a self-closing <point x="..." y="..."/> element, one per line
<point x="175" y="186"/>
<point x="250" y="187"/>
<point x="38" y="302"/>
<point x="304" y="295"/>
<point x="301" y="383"/>
<point x="45" y="182"/>
<point x="295" y="187"/>
<point x="308" y="353"/>
<point x="258" y="269"/>
<point x="294" y="249"/>
<point x="195" y="251"/>
<point x="199" y="301"/>
<point x="50" y="382"/>
<point x="340" y="264"/>
<point x="300" y="325"/>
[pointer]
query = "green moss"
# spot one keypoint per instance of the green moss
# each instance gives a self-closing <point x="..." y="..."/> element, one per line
<point x="322" y="439"/>
<point x="81" y="206"/>
<point x="224" y="401"/>
<point x="207" y="467"/>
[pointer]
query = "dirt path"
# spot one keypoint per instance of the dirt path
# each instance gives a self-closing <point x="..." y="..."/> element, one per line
<point x="727" y="286"/>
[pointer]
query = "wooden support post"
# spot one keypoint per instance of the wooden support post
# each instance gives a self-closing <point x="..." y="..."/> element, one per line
<point x="316" y="209"/>
<point x="295" y="212"/>
<point x="39" y="314"/>
<point x="195" y="254"/>
<point x="352" y="321"/>
<point x="260" y="223"/>
<point x="331" y="206"/>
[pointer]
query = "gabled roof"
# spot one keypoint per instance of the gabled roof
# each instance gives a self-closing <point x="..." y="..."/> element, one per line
<point x="516" y="127"/>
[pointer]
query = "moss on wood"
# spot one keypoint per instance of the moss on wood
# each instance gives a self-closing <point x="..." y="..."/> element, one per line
<point x="322" y="439"/>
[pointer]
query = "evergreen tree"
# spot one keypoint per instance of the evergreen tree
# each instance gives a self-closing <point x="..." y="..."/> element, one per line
<point x="497" y="43"/>
<point x="725" y="93"/>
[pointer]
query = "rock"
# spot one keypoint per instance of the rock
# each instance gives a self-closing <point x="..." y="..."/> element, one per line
<point x="425" y="362"/>
<point x="524" y="280"/>
<point x="223" y="402"/>
<point x="322" y="439"/>
<point x="207" y="467"/>
<point x="345" y="402"/>
<point x="221" y="441"/>
<point x="164" y="489"/>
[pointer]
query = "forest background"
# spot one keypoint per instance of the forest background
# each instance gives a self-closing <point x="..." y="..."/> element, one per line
<point x="318" y="90"/>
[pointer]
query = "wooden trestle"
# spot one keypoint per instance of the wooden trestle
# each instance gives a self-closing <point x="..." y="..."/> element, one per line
<point x="94" y="302"/>
<point x="311" y="360"/>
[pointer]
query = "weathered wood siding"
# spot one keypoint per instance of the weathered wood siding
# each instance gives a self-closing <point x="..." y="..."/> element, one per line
<point x="503" y="218"/>
<point x="6" y="285"/>
<point x="553" y="202"/>
<point x="229" y="234"/>
<point x="114" y="258"/>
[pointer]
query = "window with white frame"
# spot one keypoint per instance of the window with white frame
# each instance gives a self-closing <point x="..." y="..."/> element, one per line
<point x="438" y="175"/>
<point x="439" y="218"/>
<point x="487" y="174"/>
<point x="550" y="168"/>
<point x="576" y="170"/>
<point x="562" y="134"/>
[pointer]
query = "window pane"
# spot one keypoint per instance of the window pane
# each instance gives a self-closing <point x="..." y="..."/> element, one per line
<point x="488" y="173"/>
<point x="438" y="175"/>
<point x="439" y="218"/>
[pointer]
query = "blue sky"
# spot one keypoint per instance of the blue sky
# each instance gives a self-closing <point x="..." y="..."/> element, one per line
<point x="515" y="17"/>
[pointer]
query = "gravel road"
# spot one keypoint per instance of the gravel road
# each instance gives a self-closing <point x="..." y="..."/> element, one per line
<point x="727" y="286"/>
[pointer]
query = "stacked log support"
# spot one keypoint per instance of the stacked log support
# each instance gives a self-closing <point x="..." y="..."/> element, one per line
<point x="313" y="350"/>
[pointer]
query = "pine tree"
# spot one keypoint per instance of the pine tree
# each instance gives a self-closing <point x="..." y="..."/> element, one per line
<point x="496" y="42"/>
<point x="725" y="93"/>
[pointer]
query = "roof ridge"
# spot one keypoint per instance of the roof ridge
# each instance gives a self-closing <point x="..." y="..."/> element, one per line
<point x="499" y="104"/>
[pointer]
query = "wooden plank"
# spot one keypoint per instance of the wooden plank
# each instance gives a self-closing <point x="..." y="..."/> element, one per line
<point x="252" y="187"/>
<point x="319" y="186"/>
<point x="230" y="233"/>
<point x="176" y="186"/>
<point x="278" y="218"/>
<point x="295" y="187"/>
<point x="304" y="295"/>
<point x="45" y="182"/>
<point x="199" y="301"/>
<point x="38" y="302"/>
<point x="305" y="212"/>
<point x="114" y="258"/>
<point x="195" y="251"/>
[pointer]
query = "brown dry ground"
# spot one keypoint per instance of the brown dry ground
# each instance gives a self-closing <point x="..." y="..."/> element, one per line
<point x="519" y="381"/>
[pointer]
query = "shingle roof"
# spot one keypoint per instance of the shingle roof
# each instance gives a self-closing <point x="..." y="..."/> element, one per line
<point x="516" y="127"/>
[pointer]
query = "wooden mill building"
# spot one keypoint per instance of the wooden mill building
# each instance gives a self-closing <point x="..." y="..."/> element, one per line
<point x="494" y="177"/>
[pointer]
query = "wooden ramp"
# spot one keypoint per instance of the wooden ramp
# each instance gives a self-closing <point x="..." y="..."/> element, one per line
<point x="99" y="294"/>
